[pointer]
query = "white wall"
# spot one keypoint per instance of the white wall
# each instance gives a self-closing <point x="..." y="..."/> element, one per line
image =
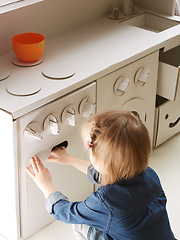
<point x="50" y="17"/>
<point x="162" y="6"/>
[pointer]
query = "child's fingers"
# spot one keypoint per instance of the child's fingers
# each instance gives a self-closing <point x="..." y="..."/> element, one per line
<point x="52" y="159"/>
<point x="56" y="152"/>
<point x="30" y="173"/>
<point x="57" y="149"/>
<point x="34" y="165"/>
<point x="53" y="156"/>
<point x="62" y="148"/>
<point x="39" y="164"/>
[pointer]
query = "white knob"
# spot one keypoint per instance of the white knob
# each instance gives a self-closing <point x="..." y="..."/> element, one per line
<point x="32" y="132"/>
<point x="87" y="106"/>
<point x="69" y="115"/>
<point x="141" y="76"/>
<point x="121" y="85"/>
<point x="52" y="124"/>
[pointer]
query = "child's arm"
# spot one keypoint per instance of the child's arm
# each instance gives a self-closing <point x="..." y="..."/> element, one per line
<point x="60" y="155"/>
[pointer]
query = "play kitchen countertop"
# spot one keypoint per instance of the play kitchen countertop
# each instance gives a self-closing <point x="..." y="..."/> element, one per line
<point x="86" y="53"/>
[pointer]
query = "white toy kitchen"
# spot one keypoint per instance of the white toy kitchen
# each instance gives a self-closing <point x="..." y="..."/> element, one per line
<point x="120" y="59"/>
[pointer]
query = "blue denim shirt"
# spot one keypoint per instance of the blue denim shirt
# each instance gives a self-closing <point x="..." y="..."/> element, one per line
<point x="127" y="210"/>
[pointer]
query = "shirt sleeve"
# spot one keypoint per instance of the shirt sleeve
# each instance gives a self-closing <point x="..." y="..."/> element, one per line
<point x="52" y="199"/>
<point x="86" y="212"/>
<point x="93" y="175"/>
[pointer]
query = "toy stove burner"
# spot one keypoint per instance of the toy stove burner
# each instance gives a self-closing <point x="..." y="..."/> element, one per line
<point x="4" y="73"/>
<point x="23" y="88"/>
<point x="58" y="72"/>
<point x="19" y="63"/>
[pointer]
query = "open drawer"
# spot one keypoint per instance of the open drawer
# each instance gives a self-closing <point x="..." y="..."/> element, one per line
<point x="168" y="85"/>
<point x="167" y="120"/>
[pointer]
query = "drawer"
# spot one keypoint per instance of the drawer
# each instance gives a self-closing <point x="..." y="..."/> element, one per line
<point x="168" y="85"/>
<point x="167" y="120"/>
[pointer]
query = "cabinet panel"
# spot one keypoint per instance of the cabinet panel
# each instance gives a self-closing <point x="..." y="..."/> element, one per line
<point x="140" y="89"/>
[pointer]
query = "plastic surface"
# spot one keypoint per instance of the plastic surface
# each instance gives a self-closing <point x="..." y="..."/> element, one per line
<point x="28" y="47"/>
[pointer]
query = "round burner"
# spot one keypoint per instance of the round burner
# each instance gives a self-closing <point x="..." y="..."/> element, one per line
<point x="23" y="88"/>
<point x="59" y="72"/>
<point x="4" y="73"/>
<point x="19" y="63"/>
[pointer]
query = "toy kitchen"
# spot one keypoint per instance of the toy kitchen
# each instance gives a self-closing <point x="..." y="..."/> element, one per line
<point x="124" y="61"/>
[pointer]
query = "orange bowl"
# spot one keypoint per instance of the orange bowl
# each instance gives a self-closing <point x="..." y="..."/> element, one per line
<point x="28" y="47"/>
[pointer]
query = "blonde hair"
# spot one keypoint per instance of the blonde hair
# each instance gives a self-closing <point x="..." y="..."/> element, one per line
<point x="120" y="141"/>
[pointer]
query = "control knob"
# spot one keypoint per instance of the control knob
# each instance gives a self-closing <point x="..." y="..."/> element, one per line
<point x="121" y="85"/>
<point x="87" y="106"/>
<point x="32" y="132"/>
<point x="141" y="76"/>
<point x="69" y="115"/>
<point x="52" y="124"/>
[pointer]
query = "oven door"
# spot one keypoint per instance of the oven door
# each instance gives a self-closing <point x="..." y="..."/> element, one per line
<point x="68" y="180"/>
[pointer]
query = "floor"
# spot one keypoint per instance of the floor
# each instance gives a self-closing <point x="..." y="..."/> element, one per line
<point x="52" y="232"/>
<point x="165" y="160"/>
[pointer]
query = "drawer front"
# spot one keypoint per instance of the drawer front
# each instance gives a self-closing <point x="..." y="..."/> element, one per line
<point x="168" y="85"/>
<point x="167" y="121"/>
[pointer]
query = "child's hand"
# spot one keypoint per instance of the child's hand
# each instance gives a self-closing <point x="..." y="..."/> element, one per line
<point x="41" y="176"/>
<point x="59" y="155"/>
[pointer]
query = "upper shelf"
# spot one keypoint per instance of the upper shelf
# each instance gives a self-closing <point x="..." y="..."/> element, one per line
<point x="151" y="22"/>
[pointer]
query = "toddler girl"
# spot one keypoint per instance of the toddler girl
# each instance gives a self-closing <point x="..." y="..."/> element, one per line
<point x="130" y="203"/>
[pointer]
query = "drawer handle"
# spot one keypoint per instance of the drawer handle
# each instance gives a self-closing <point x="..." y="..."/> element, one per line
<point x="171" y="125"/>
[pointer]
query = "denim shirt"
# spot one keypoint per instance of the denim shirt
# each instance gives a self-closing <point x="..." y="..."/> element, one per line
<point x="127" y="210"/>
